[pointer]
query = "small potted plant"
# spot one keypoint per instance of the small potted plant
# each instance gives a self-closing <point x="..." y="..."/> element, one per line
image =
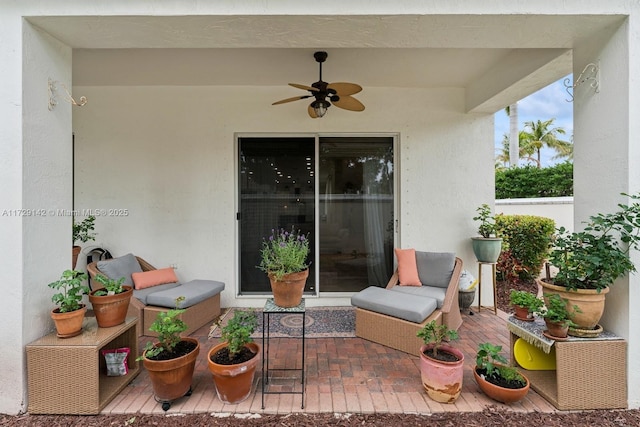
<point x="69" y="314"/>
<point x="284" y="259"/>
<point x="172" y="359"/>
<point x="82" y="232"/>
<point x="525" y="304"/>
<point x="497" y="380"/>
<point x="111" y="302"/>
<point x="233" y="362"/>
<point x="441" y="365"/>
<point x="557" y="316"/>
<point x="589" y="261"/>
<point x="488" y="245"/>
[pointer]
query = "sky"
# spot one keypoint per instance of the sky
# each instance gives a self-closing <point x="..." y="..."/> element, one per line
<point x="548" y="103"/>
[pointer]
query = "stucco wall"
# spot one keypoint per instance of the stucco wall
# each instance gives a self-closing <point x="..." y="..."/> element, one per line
<point x="167" y="156"/>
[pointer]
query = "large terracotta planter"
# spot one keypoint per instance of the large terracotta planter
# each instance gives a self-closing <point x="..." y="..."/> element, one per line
<point x="590" y="302"/>
<point x="288" y="291"/>
<point x="487" y="249"/>
<point x="68" y="324"/>
<point x="442" y="380"/>
<point x="111" y="310"/>
<point x="171" y="379"/>
<point x="233" y="382"/>
<point x="501" y="394"/>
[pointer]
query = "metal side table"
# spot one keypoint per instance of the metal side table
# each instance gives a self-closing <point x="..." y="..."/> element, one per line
<point x="268" y="379"/>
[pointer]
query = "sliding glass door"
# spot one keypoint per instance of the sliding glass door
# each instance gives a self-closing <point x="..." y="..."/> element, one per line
<point x="347" y="207"/>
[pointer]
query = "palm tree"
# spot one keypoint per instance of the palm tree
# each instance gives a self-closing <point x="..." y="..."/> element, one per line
<point x="542" y="134"/>
<point x="512" y="112"/>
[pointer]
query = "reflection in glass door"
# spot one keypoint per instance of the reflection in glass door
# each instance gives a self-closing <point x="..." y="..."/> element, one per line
<point x="356" y="202"/>
<point x="277" y="190"/>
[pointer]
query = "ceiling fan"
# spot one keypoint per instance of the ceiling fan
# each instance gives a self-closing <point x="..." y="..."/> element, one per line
<point x="327" y="94"/>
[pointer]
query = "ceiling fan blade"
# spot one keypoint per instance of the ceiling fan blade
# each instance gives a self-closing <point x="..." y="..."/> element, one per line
<point x="343" y="88"/>
<point x="303" y="87"/>
<point x="312" y="112"/>
<point x="294" y="98"/>
<point x="349" y="103"/>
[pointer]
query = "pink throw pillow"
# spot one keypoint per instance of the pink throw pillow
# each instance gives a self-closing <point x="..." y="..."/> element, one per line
<point x="150" y="278"/>
<point x="407" y="267"/>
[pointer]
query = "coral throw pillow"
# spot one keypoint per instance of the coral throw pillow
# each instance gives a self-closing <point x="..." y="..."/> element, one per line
<point x="407" y="267"/>
<point x="154" y="277"/>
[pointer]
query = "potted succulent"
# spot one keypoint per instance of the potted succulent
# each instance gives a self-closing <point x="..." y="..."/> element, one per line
<point x="233" y="362"/>
<point x="557" y="316"/>
<point x="111" y="302"/>
<point x="525" y="304"/>
<point x="497" y="380"/>
<point x="589" y="261"/>
<point x="284" y="259"/>
<point x="441" y="365"/>
<point x="172" y="359"/>
<point x="488" y="245"/>
<point x="69" y="314"/>
<point x="82" y="232"/>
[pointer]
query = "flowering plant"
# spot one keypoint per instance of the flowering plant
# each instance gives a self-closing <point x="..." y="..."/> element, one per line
<point x="284" y="252"/>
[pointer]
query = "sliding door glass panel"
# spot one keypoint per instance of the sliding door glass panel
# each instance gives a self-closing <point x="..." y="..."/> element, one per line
<point x="277" y="190"/>
<point x="356" y="212"/>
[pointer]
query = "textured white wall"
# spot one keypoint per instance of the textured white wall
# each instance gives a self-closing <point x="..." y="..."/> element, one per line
<point x="167" y="155"/>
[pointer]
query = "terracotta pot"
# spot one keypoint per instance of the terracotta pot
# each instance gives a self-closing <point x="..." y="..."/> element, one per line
<point x="557" y="329"/>
<point x="288" y="291"/>
<point x="75" y="251"/>
<point x="233" y="382"/>
<point x="590" y="302"/>
<point x="68" y="324"/>
<point x="522" y="313"/>
<point x="501" y="394"/>
<point x="172" y="378"/>
<point x="442" y="380"/>
<point x="111" y="310"/>
<point x="486" y="249"/>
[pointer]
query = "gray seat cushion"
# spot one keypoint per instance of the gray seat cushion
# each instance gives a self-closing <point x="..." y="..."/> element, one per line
<point x="142" y="294"/>
<point x="194" y="292"/>
<point x="435" y="268"/>
<point x="396" y="304"/>
<point x="123" y="266"/>
<point x="434" y="292"/>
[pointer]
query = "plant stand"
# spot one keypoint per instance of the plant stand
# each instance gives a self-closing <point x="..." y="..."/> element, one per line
<point x="268" y="379"/>
<point x="493" y="282"/>
<point x="68" y="376"/>
<point x="591" y="373"/>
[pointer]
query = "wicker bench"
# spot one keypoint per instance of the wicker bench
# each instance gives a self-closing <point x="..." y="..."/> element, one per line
<point x="379" y="312"/>
<point x="202" y="304"/>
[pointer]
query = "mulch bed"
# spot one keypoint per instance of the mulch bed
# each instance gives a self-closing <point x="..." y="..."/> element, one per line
<point x="503" y="289"/>
<point x="488" y="418"/>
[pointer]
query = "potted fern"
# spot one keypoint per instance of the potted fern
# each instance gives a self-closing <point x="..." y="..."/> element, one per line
<point x="110" y="302"/>
<point x="70" y="311"/>
<point x="488" y="245"/>
<point x="441" y="365"/>
<point x="497" y="380"/>
<point x="172" y="359"/>
<point x="233" y="362"/>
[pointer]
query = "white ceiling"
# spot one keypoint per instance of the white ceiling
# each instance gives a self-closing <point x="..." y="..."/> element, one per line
<point x="513" y="55"/>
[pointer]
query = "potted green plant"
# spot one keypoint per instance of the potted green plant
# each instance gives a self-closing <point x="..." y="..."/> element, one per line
<point x="497" y="380"/>
<point x="233" y="362"/>
<point x="69" y="313"/>
<point x="589" y="261"/>
<point x="284" y="259"/>
<point x="171" y="360"/>
<point x="488" y="245"/>
<point x="525" y="304"/>
<point x="111" y="302"/>
<point x="557" y="316"/>
<point x="441" y="365"/>
<point x="82" y="232"/>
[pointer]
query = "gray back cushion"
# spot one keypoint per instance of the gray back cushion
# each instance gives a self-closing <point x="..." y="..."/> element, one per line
<point x="435" y="268"/>
<point x="119" y="267"/>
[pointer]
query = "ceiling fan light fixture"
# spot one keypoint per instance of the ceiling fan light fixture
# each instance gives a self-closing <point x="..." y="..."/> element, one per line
<point x="320" y="107"/>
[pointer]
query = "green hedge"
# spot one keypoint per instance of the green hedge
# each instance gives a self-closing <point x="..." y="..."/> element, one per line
<point x="526" y="243"/>
<point x="529" y="182"/>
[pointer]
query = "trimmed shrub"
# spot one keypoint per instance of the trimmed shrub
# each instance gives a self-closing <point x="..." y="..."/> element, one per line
<point x="529" y="182"/>
<point x="526" y="244"/>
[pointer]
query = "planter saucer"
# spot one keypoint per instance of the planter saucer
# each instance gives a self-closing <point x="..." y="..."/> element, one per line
<point x="523" y="319"/>
<point x="74" y="334"/>
<point x="586" y="333"/>
<point x="551" y="337"/>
